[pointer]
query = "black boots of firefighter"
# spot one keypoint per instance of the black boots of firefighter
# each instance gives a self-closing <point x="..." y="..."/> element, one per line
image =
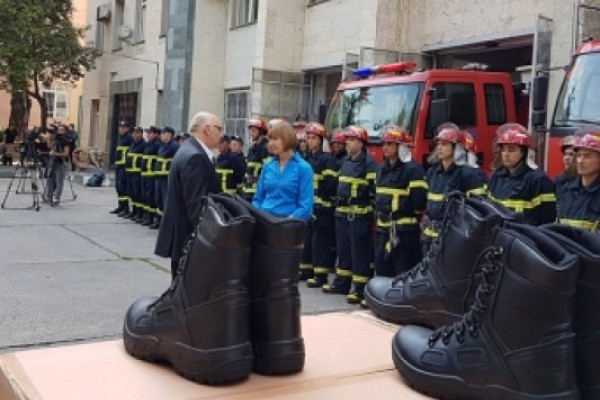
<point x="586" y="245"/>
<point x="274" y="297"/>
<point x="200" y="324"/>
<point x="155" y="223"/>
<point x="516" y="341"/>
<point x="433" y="292"/>
<point x="120" y="208"/>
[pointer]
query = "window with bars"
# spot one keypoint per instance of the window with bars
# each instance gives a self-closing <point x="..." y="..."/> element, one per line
<point x="243" y="12"/>
<point x="237" y="112"/>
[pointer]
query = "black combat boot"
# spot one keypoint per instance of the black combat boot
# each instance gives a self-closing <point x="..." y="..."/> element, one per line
<point x="516" y="341"/>
<point x="122" y="206"/>
<point x="133" y="213"/>
<point x="434" y="291"/>
<point x="275" y="328"/>
<point x="155" y="223"/>
<point x="586" y="245"/>
<point x="125" y="211"/>
<point x="200" y="324"/>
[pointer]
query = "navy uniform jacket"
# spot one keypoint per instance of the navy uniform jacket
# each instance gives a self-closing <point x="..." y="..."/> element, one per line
<point x="528" y="192"/>
<point x="324" y="179"/>
<point x="134" y="157"/>
<point x="401" y="195"/>
<point x="231" y="169"/>
<point x="339" y="159"/>
<point x="123" y="144"/>
<point x="165" y="155"/>
<point x="150" y="153"/>
<point x="356" y="185"/>
<point x="579" y="205"/>
<point x="464" y="179"/>
<point x="192" y="176"/>
<point x="258" y="153"/>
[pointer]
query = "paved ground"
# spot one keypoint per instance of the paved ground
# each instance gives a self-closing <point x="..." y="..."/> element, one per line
<point x="69" y="273"/>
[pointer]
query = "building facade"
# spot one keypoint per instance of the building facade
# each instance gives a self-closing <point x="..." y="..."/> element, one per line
<point x="165" y="60"/>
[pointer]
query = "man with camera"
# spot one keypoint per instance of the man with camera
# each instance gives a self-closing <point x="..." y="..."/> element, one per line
<point x="58" y="157"/>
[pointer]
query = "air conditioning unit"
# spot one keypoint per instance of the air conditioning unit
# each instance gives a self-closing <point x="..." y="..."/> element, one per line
<point x="103" y="12"/>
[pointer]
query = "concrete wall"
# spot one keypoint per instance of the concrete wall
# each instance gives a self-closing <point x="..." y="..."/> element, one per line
<point x="240" y="49"/>
<point x="117" y="68"/>
<point x="337" y="27"/>
<point x="207" y="91"/>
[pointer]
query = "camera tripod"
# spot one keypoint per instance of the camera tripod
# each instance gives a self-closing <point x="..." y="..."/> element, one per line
<point x="33" y="172"/>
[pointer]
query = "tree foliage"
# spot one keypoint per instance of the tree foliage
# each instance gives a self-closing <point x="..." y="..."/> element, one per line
<point x="39" y="45"/>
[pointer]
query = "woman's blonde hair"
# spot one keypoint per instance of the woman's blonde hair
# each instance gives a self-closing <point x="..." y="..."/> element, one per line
<point x="286" y="133"/>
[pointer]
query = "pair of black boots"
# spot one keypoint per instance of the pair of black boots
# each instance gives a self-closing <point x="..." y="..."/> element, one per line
<point x="234" y="305"/>
<point x="502" y="310"/>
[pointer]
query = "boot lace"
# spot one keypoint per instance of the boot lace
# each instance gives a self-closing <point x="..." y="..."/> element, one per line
<point x="452" y="204"/>
<point x="470" y="323"/>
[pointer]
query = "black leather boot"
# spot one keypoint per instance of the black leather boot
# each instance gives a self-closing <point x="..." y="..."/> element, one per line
<point x="155" y="223"/>
<point x="200" y="324"/>
<point x="125" y="211"/>
<point x="516" y="341"/>
<point x="434" y="291"/>
<point x="121" y="207"/>
<point x="275" y="328"/>
<point x="148" y="219"/>
<point x="586" y="245"/>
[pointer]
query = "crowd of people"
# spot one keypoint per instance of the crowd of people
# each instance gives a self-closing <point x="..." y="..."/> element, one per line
<point x="366" y="218"/>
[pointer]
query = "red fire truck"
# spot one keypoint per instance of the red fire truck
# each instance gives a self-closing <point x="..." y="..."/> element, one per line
<point x="420" y="101"/>
<point x="578" y="102"/>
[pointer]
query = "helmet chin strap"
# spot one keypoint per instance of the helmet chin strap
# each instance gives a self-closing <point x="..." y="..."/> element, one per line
<point x="530" y="159"/>
<point x="460" y="155"/>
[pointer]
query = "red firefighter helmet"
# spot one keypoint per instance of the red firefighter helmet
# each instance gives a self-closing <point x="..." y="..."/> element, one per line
<point x="395" y="134"/>
<point x="258" y="123"/>
<point x="568" y="141"/>
<point x="590" y="140"/>
<point x="514" y="134"/>
<point x="470" y="144"/>
<point x="449" y="132"/>
<point x="314" y="128"/>
<point x="275" y="121"/>
<point x="358" y="132"/>
<point x="338" y="136"/>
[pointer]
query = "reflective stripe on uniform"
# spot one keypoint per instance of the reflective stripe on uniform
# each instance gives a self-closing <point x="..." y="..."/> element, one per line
<point x="320" y="201"/>
<point x="418" y="184"/>
<point x="321" y="270"/>
<point x="343" y="273"/>
<point x="430" y="232"/>
<point x="354" y="209"/>
<point x="591" y="226"/>
<point x="400" y="221"/>
<point x="522" y="205"/>
<point x="122" y="154"/>
<point x="360" y="279"/>
<point x="354" y="183"/>
<point x="435" y="196"/>
<point x="479" y="191"/>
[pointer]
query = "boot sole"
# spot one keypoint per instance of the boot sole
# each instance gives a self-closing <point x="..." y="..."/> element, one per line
<point x="407" y="314"/>
<point x="211" y="367"/>
<point x="454" y="388"/>
<point x="278" y="358"/>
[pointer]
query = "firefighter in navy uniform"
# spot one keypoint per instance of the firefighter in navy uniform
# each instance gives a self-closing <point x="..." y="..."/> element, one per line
<point x="401" y="197"/>
<point x="258" y="153"/>
<point x="237" y="150"/>
<point x="579" y="198"/>
<point x="162" y="164"/>
<point x="518" y="184"/>
<point x="449" y="174"/>
<point x="354" y="218"/>
<point x="229" y="167"/>
<point x="568" y="157"/>
<point x="322" y="237"/>
<point x="133" y="168"/>
<point x="148" y="180"/>
<point x="338" y="147"/>
<point x="124" y="140"/>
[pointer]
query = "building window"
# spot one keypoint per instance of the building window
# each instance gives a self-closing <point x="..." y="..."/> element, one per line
<point x="243" y="12"/>
<point x="164" y="18"/>
<point x="140" y="21"/>
<point x="237" y="112"/>
<point x="57" y="103"/>
<point x="494" y="104"/>
<point x="119" y="21"/>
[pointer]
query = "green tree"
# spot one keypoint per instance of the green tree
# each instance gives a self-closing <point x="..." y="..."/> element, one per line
<point x="40" y="45"/>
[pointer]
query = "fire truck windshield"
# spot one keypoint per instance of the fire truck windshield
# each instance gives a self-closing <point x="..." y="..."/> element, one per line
<point x="578" y="101"/>
<point x="374" y="107"/>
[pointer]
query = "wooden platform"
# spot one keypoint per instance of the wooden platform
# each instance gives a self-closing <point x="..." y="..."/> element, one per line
<point x="348" y="356"/>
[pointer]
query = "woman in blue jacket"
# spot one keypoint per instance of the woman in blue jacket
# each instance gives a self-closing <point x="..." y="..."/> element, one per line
<point x="285" y="186"/>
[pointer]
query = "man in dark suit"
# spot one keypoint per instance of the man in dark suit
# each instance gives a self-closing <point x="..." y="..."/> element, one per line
<point x="192" y="176"/>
